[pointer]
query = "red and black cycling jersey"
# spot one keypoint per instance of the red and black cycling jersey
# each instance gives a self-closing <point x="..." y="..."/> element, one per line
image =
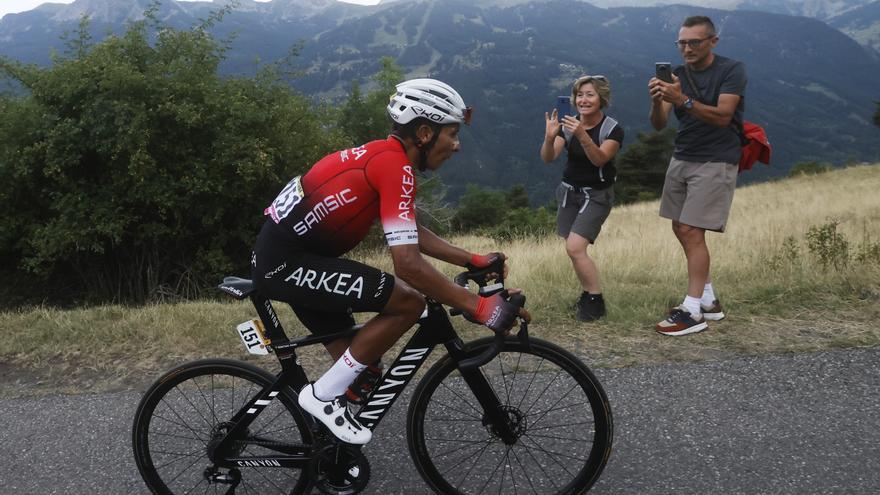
<point x="330" y="209"/>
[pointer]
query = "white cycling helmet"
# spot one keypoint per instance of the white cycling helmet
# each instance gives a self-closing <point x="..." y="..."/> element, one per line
<point x="428" y="98"/>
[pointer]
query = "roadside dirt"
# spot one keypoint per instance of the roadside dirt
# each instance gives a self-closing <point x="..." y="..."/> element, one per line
<point x="66" y="378"/>
<point x="600" y="346"/>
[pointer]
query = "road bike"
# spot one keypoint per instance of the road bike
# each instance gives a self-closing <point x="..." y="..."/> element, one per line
<point x="511" y="413"/>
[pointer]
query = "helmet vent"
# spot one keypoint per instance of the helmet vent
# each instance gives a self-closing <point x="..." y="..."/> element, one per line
<point x="438" y="94"/>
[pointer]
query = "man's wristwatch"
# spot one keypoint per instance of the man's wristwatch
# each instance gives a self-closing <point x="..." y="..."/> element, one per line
<point x="688" y="103"/>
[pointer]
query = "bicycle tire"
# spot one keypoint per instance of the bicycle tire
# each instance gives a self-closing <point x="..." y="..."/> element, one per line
<point x="456" y="454"/>
<point x="179" y="413"/>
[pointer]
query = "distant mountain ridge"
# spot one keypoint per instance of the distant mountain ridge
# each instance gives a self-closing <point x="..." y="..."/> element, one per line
<point x="859" y="19"/>
<point x="811" y="86"/>
<point x="861" y="24"/>
<point x="818" y="9"/>
<point x="116" y="10"/>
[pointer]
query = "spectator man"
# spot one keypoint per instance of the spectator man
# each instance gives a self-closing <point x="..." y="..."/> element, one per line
<point x="707" y="95"/>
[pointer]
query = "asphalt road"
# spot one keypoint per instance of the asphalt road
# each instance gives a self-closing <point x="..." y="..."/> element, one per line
<point x="794" y="424"/>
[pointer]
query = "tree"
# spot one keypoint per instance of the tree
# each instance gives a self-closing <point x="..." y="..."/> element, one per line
<point x="517" y="197"/>
<point x="363" y="118"/>
<point x="477" y="208"/>
<point x="642" y="167"/>
<point x="131" y="170"/>
<point x="433" y="210"/>
<point x="877" y="115"/>
<point x="501" y="215"/>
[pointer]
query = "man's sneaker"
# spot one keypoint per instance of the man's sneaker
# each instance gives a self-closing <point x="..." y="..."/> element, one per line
<point x="680" y="322"/>
<point x="335" y="416"/>
<point x="361" y="387"/>
<point x="714" y="312"/>
<point x="590" y="307"/>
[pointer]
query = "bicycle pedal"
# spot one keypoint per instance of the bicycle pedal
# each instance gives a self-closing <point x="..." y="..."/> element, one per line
<point x="363" y="385"/>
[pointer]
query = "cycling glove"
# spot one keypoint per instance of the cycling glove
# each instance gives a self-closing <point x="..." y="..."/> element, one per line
<point x="496" y="313"/>
<point x="479" y="261"/>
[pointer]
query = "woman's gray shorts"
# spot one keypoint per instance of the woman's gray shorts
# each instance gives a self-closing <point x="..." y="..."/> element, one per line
<point x="582" y="210"/>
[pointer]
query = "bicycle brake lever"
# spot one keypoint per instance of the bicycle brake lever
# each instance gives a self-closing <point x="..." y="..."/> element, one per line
<point x="523" y="334"/>
<point x="481" y="277"/>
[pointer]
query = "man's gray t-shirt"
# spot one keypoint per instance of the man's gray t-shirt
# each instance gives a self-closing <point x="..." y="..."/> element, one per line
<point x="697" y="141"/>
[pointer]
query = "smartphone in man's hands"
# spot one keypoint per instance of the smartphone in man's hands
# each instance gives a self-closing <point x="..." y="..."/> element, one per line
<point x="664" y="71"/>
<point x="563" y="107"/>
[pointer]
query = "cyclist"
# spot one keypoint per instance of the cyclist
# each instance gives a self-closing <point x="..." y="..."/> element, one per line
<point x="326" y="212"/>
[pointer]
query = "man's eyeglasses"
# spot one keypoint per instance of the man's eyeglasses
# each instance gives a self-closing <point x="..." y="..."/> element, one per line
<point x="681" y="44"/>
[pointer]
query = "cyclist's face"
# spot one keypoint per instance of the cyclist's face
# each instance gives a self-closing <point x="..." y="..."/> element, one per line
<point x="447" y="143"/>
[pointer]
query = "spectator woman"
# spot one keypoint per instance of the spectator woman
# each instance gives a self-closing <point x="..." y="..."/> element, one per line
<point x="591" y="139"/>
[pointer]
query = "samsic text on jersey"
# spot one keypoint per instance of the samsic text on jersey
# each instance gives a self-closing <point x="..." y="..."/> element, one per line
<point x="330" y="209"/>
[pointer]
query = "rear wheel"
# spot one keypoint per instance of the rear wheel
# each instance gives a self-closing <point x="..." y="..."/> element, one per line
<point x="555" y="406"/>
<point x="193" y="404"/>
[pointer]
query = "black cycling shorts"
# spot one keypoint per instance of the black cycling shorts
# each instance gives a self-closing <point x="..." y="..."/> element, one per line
<point x="323" y="291"/>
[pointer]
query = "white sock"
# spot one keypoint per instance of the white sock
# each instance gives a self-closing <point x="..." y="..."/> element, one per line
<point x="334" y="382"/>
<point x="708" y="295"/>
<point x="692" y="306"/>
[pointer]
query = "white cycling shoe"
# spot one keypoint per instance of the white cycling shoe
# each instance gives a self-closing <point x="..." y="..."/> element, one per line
<point x="335" y="416"/>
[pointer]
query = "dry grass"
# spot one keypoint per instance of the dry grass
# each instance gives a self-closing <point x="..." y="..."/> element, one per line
<point x="779" y="297"/>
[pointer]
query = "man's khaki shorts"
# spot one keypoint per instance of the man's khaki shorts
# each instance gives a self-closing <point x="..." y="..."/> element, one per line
<point x="699" y="194"/>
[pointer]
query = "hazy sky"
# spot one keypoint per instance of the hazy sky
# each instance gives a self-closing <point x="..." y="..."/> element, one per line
<point x="13" y="6"/>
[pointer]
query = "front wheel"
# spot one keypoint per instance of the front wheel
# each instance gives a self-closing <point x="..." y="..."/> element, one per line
<point x="193" y="405"/>
<point x="554" y="405"/>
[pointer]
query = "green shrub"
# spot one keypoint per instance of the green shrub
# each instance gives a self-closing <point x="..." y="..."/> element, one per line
<point x="642" y="167"/>
<point x="829" y="246"/>
<point x="521" y="223"/>
<point x="131" y="170"/>
<point x="809" y="168"/>
<point x="869" y="253"/>
<point x="788" y="254"/>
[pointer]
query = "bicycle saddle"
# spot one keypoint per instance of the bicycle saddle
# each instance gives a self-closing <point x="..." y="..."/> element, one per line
<point x="238" y="288"/>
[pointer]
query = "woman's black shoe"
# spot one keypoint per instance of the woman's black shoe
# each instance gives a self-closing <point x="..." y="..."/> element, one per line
<point x="590" y="307"/>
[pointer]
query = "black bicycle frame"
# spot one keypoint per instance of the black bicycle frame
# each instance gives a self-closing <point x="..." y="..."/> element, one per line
<point x="434" y="328"/>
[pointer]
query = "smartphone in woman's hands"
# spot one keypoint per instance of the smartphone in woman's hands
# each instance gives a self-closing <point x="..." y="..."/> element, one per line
<point x="563" y="107"/>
